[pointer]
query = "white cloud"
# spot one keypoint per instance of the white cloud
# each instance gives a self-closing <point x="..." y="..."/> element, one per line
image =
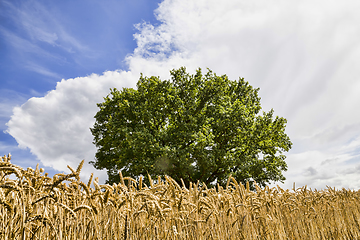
<point x="56" y="127"/>
<point x="337" y="165"/>
<point x="302" y="54"/>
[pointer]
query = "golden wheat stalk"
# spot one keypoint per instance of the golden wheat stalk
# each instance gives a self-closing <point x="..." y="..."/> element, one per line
<point x="11" y="169"/>
<point x="67" y="209"/>
<point x="167" y="211"/>
<point x="86" y="207"/>
<point x="7" y="205"/>
<point x="90" y="180"/>
<point x="121" y="178"/>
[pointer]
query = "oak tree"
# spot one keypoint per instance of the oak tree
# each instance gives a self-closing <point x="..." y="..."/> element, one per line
<point x="191" y="127"/>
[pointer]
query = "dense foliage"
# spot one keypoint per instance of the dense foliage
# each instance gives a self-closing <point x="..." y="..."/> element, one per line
<point x="191" y="127"/>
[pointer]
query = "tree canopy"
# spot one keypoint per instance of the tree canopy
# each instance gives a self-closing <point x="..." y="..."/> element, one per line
<point x="191" y="127"/>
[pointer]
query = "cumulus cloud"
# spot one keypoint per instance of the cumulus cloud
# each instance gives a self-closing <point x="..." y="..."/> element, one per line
<point x="302" y="54"/>
<point x="56" y="127"/>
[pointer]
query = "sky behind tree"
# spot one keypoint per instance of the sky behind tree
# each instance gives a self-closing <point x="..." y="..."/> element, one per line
<point x="58" y="59"/>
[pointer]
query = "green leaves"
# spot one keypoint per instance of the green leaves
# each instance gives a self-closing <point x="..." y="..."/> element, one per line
<point x="191" y="127"/>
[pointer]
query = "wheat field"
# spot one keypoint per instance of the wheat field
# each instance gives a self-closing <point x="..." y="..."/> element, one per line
<point x="35" y="206"/>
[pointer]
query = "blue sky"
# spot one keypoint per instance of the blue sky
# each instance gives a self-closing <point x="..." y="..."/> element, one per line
<point x="59" y="58"/>
<point x="43" y="42"/>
